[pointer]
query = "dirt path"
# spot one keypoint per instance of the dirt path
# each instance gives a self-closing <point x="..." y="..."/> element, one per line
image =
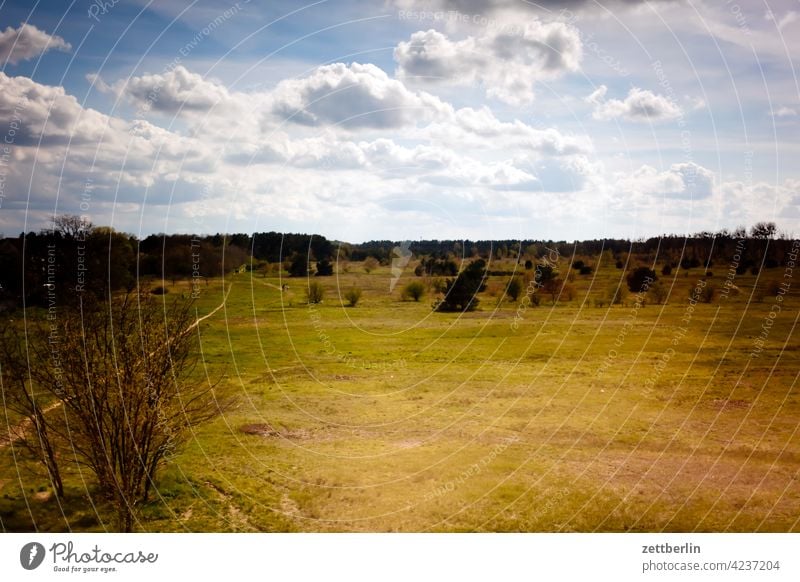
<point x="272" y="285"/>
<point x="220" y="306"/>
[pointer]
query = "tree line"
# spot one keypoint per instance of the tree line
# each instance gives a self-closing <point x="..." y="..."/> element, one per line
<point x="73" y="258"/>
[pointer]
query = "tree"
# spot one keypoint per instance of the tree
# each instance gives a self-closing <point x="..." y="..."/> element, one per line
<point x="544" y="273"/>
<point x="119" y="374"/>
<point x="514" y="288"/>
<point x="71" y="226"/>
<point x="36" y="433"/>
<point x="414" y="290"/>
<point x="299" y="265"/>
<point x="461" y="292"/>
<point x="553" y="288"/>
<point x="640" y="279"/>
<point x="763" y="230"/>
<point x="324" y="268"/>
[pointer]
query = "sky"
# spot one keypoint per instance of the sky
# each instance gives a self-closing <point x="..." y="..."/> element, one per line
<point x="401" y="119"/>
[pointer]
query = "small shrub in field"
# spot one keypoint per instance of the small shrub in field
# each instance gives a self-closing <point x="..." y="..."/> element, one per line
<point x="514" y="288"/>
<point x="708" y="294"/>
<point x="703" y="295"/>
<point x="640" y="279"/>
<point x="568" y="292"/>
<point x="619" y="264"/>
<point x="370" y="264"/>
<point x="529" y="264"/>
<point x="666" y="270"/>
<point x="578" y="265"/>
<point x="353" y="295"/>
<point x="586" y="270"/>
<point x="773" y="288"/>
<point x="414" y="290"/>
<point x="659" y="292"/>
<point x="616" y="294"/>
<point x="709" y="274"/>
<point x="160" y="291"/>
<point x="315" y="292"/>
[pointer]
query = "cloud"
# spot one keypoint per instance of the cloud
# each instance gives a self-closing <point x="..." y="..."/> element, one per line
<point x="684" y="181"/>
<point x="507" y="61"/>
<point x="787" y="19"/>
<point x="501" y="6"/>
<point x="480" y="129"/>
<point x="785" y="112"/>
<point x="27" y="42"/>
<point x="596" y="97"/>
<point x="178" y="90"/>
<point x="639" y="106"/>
<point x="61" y="144"/>
<point x="353" y="96"/>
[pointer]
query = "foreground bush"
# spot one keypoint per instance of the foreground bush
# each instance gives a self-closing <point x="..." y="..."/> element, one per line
<point x="111" y="396"/>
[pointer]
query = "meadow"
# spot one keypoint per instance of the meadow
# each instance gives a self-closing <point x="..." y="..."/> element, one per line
<point x="573" y="415"/>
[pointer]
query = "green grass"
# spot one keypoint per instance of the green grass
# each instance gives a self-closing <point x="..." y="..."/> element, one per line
<point x="390" y="417"/>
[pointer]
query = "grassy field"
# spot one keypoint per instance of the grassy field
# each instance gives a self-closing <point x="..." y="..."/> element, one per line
<point x="388" y="416"/>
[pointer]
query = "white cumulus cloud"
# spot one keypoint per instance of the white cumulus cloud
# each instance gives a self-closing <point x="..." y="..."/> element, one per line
<point x="27" y="42"/>
<point x="353" y="96"/>
<point x="639" y="106"/>
<point x="506" y="61"/>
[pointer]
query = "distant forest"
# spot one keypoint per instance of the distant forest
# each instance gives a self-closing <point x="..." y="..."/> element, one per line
<point x="75" y="259"/>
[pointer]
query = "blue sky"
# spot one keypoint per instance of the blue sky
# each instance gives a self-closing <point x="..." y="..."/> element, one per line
<point x="401" y="119"/>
